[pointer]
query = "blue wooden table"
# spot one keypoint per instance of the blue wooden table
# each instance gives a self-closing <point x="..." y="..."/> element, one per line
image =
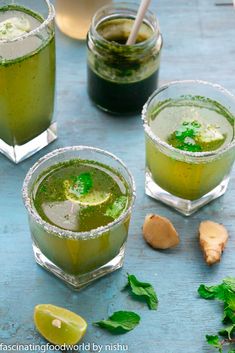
<point x="199" y="43"/>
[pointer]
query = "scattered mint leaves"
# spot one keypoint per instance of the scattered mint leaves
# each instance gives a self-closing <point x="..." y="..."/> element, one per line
<point x="224" y="292"/>
<point x="214" y="341"/>
<point x="144" y="290"/>
<point x="82" y="184"/>
<point x="123" y="321"/>
<point x="117" y="207"/>
<point x="120" y="322"/>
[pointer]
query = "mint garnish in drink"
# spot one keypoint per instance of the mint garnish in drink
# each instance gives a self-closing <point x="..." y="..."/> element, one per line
<point x="81" y="184"/>
<point x="117" y="207"/>
<point x="81" y="190"/>
<point x="193" y="136"/>
<point x="184" y="137"/>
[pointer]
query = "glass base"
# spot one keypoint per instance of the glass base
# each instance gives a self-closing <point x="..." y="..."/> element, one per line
<point x="186" y="207"/>
<point x="114" y="113"/>
<point x="19" y="153"/>
<point x="80" y="281"/>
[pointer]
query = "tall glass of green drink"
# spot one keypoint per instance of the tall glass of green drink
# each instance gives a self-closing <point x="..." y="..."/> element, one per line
<point x="27" y="77"/>
<point x="79" y="201"/>
<point x="190" y="143"/>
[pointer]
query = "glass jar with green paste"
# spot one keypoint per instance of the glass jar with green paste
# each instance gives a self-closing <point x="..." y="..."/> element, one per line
<point x="121" y="77"/>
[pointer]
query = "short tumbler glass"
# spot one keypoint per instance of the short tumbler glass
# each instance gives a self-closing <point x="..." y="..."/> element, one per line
<point x="78" y="258"/>
<point x="181" y="179"/>
<point x="27" y="80"/>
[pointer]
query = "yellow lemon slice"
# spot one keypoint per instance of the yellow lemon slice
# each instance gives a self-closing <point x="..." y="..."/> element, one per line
<point x="92" y="198"/>
<point x="58" y="325"/>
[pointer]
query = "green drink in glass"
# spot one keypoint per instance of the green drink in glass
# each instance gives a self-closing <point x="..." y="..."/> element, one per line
<point x="190" y="143"/>
<point x="27" y="77"/>
<point x="79" y="201"/>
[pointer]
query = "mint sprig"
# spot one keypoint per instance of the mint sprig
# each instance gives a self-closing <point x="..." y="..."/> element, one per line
<point x="143" y="290"/>
<point x="117" y="207"/>
<point x="224" y="292"/>
<point x="82" y="184"/>
<point x="185" y="137"/>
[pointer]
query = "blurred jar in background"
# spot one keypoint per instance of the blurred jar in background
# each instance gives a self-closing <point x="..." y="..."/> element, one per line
<point x="73" y="17"/>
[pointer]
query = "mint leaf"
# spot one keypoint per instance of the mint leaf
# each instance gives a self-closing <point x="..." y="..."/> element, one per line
<point x="222" y="292"/>
<point x="228" y="331"/>
<point x="208" y="292"/>
<point x="230" y="282"/>
<point x="229" y="315"/>
<point x="117" y="207"/>
<point x="120" y="322"/>
<point x="82" y="184"/>
<point x="214" y="341"/>
<point x="230" y="300"/>
<point x="144" y="290"/>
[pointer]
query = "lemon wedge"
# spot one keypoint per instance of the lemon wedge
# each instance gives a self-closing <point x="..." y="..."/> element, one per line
<point x="58" y="325"/>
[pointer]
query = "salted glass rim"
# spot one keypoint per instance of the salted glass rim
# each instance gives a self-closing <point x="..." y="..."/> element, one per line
<point x="45" y="23"/>
<point x="164" y="144"/>
<point x="129" y="6"/>
<point x="68" y="233"/>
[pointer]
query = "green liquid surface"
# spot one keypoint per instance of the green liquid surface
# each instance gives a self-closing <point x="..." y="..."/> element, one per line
<point x="27" y="81"/>
<point x="80" y="195"/>
<point x="193" y="125"/>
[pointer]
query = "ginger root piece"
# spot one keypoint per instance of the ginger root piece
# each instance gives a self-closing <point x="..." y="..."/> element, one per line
<point x="159" y="232"/>
<point x="213" y="238"/>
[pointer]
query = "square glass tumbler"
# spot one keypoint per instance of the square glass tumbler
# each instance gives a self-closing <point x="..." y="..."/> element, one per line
<point x="183" y="179"/>
<point x="78" y="258"/>
<point x="27" y="78"/>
